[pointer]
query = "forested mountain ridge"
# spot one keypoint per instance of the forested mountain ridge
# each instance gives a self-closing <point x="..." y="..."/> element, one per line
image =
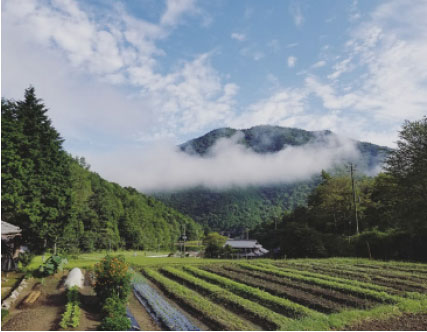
<point x="239" y="208"/>
<point x="270" y="139"/>
<point x="55" y="198"/>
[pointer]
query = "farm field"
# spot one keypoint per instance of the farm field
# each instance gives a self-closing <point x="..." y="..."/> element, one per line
<point x="210" y="294"/>
<point x="296" y="294"/>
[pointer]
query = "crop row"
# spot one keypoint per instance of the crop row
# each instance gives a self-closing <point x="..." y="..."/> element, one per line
<point x="161" y="309"/>
<point x="325" y="277"/>
<point x="254" y="311"/>
<point x="342" y="298"/>
<point x="377" y="278"/>
<point x="332" y="284"/>
<point x="304" y="298"/>
<point x="385" y="271"/>
<point x="214" y="316"/>
<point x="280" y="305"/>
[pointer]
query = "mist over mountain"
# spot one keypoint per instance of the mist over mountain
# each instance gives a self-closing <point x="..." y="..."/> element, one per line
<point x="287" y="162"/>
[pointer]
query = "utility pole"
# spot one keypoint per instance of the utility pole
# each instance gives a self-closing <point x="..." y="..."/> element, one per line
<point x="354" y="197"/>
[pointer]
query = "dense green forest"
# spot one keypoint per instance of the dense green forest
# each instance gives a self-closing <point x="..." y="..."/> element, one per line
<point x="236" y="209"/>
<point x="391" y="210"/>
<point x="55" y="198"/>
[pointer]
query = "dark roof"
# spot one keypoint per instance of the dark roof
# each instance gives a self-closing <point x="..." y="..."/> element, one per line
<point x="9" y="229"/>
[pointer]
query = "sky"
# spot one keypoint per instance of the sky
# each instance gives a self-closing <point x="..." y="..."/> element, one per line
<point x="120" y="77"/>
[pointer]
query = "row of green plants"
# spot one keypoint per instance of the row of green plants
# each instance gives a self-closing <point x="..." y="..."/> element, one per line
<point x="213" y="315"/>
<point x="320" y="292"/>
<point x="275" y="303"/>
<point x="325" y="277"/>
<point x="355" y="290"/>
<point x="392" y="282"/>
<point x="304" y="298"/>
<point x="255" y="312"/>
<point x="369" y="271"/>
<point x="113" y="286"/>
<point x="71" y="316"/>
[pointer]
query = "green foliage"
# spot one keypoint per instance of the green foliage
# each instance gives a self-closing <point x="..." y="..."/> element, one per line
<point x="115" y="318"/>
<point x="56" y="199"/>
<point x="35" y="171"/>
<point x="214" y="245"/>
<point x="4" y="314"/>
<point x="71" y="316"/>
<point x="220" y="318"/>
<point x="112" y="278"/>
<point x="52" y="265"/>
<point x="257" y="312"/>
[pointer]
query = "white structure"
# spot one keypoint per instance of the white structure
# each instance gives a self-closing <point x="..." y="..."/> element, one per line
<point x="246" y="248"/>
<point x="74" y="278"/>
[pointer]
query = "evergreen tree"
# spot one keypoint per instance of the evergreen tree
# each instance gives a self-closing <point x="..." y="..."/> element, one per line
<point x="36" y="170"/>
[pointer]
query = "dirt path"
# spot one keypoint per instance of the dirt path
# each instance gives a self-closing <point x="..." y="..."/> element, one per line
<point x="406" y="322"/>
<point x="44" y="314"/>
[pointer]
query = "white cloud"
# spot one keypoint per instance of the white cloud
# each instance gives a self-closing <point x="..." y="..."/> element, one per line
<point x="175" y="9"/>
<point x="228" y="164"/>
<point x="120" y="50"/>
<point x="319" y="64"/>
<point x="283" y="104"/>
<point x="296" y="13"/>
<point x="238" y="36"/>
<point x="292" y="61"/>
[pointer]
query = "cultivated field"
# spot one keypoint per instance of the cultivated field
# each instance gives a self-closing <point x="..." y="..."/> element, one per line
<point x="293" y="294"/>
<point x="304" y="294"/>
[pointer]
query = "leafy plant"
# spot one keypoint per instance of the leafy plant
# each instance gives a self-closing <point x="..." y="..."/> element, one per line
<point x="52" y="265"/>
<point x="115" y="318"/>
<point x="71" y="316"/>
<point x="112" y="278"/>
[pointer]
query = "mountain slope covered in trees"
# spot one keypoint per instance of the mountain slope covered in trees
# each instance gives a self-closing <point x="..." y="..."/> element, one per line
<point x="55" y="198"/>
<point x="388" y="220"/>
<point x="239" y="208"/>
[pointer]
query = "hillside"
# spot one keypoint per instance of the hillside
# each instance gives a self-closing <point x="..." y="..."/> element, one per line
<point x="56" y="199"/>
<point x="239" y="208"/>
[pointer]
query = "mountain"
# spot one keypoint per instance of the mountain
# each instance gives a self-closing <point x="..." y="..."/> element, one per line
<point x="236" y="209"/>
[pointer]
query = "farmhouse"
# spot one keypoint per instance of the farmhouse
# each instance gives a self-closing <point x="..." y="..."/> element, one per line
<point x="10" y="236"/>
<point x="246" y="248"/>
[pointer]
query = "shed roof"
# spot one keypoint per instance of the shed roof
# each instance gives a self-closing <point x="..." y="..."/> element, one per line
<point x="252" y="244"/>
<point x="9" y="229"/>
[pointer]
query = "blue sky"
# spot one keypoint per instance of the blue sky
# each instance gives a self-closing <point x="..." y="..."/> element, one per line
<point x="123" y="75"/>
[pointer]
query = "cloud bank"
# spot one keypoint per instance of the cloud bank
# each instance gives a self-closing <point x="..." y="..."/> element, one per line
<point x="227" y="164"/>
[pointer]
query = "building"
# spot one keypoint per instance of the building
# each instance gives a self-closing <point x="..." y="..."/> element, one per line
<point x="246" y="248"/>
<point x="10" y="238"/>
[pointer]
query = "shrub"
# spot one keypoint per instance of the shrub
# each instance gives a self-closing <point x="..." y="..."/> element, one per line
<point x="52" y="265"/>
<point x="115" y="318"/>
<point x="112" y="278"/>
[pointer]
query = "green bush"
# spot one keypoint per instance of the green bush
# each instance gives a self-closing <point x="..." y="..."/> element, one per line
<point x="112" y="278"/>
<point x="52" y="265"/>
<point x="115" y="318"/>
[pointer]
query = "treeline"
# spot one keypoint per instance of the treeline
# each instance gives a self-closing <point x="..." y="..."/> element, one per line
<point x="391" y="210"/>
<point x="235" y="210"/>
<point x="56" y="199"/>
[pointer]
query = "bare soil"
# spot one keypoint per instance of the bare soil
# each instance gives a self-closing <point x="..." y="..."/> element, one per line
<point x="45" y="313"/>
<point x="406" y="322"/>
